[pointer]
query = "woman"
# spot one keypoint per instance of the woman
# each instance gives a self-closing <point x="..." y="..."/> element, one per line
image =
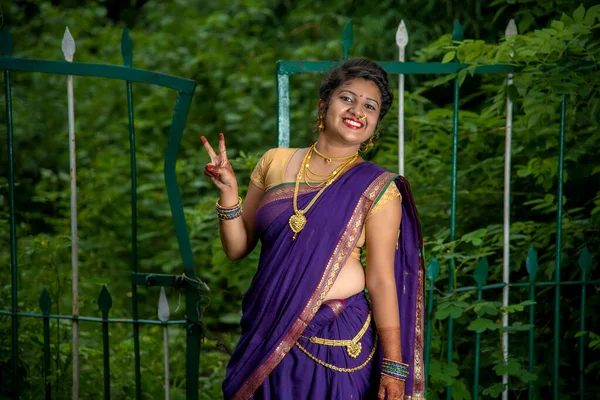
<point x="308" y="329"/>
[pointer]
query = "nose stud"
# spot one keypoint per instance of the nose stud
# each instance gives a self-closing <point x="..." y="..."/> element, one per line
<point x="363" y="117"/>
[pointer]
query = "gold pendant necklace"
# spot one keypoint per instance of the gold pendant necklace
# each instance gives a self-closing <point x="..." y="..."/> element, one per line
<point x="297" y="221"/>
<point x="328" y="159"/>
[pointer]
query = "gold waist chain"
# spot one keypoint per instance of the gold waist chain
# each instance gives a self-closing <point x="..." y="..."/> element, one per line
<point x="353" y="347"/>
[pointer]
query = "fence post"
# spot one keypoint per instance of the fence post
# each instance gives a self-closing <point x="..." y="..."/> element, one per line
<point x="127" y="53"/>
<point x="45" y="304"/>
<point x="401" y="42"/>
<point x="511" y="30"/>
<point x="457" y="36"/>
<point x="480" y="275"/>
<point x="163" y="315"/>
<point x="105" y="303"/>
<point x="68" y="48"/>
<point x="6" y="47"/>
<point x="532" y="267"/>
<point x="585" y="263"/>
<point x="433" y="270"/>
<point x="559" y="212"/>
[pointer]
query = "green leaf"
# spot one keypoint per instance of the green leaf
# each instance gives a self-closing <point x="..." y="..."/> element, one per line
<point x="592" y="13"/>
<point x="526" y="376"/>
<point x="580" y="334"/>
<point x="449" y="57"/>
<point x="482" y="324"/>
<point x="513" y="93"/>
<point x="494" y="390"/>
<point x="579" y="14"/>
<point x="512" y="367"/>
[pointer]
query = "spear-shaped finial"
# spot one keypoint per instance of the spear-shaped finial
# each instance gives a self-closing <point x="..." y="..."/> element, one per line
<point x="68" y="45"/>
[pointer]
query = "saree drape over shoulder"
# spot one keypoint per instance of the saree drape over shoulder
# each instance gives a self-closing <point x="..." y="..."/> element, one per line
<point x="285" y="302"/>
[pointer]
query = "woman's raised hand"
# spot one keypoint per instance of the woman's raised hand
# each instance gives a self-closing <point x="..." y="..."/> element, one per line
<point x="219" y="169"/>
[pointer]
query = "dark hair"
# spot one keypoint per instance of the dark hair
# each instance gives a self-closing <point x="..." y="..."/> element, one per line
<point x="353" y="69"/>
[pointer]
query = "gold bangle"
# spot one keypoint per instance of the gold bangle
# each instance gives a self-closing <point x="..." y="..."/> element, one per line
<point x="220" y="207"/>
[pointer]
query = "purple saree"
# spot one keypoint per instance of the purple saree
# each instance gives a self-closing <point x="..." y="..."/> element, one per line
<point x="285" y="301"/>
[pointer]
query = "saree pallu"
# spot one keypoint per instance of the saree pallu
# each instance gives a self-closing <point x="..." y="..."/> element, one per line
<point x="292" y="280"/>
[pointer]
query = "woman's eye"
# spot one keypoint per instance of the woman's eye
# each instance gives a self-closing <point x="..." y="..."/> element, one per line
<point x="370" y="107"/>
<point x="345" y="98"/>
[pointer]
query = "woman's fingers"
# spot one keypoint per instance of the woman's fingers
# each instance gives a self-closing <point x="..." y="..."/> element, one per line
<point x="209" y="149"/>
<point x="222" y="149"/>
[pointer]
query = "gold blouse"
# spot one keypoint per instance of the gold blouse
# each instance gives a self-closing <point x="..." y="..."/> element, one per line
<point x="270" y="171"/>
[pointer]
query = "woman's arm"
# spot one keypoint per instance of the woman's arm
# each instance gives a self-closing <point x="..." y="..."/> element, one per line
<point x="381" y="239"/>
<point x="237" y="235"/>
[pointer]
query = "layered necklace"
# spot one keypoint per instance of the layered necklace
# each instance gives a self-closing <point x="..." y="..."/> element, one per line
<point x="298" y="220"/>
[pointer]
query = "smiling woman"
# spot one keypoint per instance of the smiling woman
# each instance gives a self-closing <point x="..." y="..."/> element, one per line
<point x="309" y="331"/>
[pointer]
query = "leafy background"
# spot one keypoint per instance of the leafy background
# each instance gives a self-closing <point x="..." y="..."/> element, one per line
<point x="230" y="49"/>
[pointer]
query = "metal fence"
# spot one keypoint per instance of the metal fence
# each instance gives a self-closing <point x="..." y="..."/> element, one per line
<point x="187" y="281"/>
<point x="287" y="68"/>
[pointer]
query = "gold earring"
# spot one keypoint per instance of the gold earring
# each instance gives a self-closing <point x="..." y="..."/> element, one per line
<point x="366" y="146"/>
<point x="321" y="122"/>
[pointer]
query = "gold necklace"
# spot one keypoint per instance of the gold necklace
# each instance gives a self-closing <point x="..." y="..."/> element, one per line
<point x="323" y="178"/>
<point x="298" y="220"/>
<point x="328" y="159"/>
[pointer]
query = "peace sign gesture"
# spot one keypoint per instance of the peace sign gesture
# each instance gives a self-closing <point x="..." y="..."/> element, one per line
<point x="219" y="169"/>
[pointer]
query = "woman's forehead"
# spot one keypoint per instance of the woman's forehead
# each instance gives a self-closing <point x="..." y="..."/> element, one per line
<point x="362" y="88"/>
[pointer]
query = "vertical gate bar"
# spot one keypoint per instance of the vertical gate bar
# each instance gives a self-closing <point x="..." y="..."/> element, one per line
<point x="13" y="236"/>
<point x="477" y="351"/>
<point x="433" y="270"/>
<point x="105" y="303"/>
<point x="480" y="275"/>
<point x="559" y="213"/>
<point x="192" y="297"/>
<point x="127" y="53"/>
<point x="68" y="48"/>
<point x="582" y="340"/>
<point x="134" y="257"/>
<point x="401" y="42"/>
<point x="45" y="304"/>
<point x="453" y="222"/>
<point x="283" y="108"/>
<point x="163" y="315"/>
<point x="532" y="266"/>
<point x="511" y="30"/>
<point x="585" y="262"/>
<point x="531" y="336"/>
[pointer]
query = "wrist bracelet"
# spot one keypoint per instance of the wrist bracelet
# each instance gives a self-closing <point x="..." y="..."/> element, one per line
<point x="227" y="213"/>
<point x="394" y="369"/>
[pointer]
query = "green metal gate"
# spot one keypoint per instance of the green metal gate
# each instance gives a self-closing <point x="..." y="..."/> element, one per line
<point x="449" y="67"/>
<point x="187" y="281"/>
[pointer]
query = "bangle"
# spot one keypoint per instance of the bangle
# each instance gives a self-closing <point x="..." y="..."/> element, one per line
<point x="227" y="213"/>
<point x="394" y="369"/>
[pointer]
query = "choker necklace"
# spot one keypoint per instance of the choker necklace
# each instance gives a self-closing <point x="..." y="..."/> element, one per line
<point x="328" y="159"/>
<point x="298" y="220"/>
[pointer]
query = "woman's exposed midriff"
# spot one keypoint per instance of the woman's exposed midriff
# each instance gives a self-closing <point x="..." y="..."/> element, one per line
<point x="350" y="281"/>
